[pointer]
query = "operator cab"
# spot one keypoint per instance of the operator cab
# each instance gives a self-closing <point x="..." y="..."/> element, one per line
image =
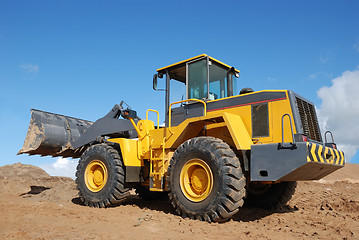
<point x="201" y="77"/>
<point x="205" y="78"/>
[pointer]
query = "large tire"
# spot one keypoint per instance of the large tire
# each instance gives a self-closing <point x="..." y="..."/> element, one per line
<point x="100" y="177"/>
<point x="269" y="196"/>
<point x="205" y="180"/>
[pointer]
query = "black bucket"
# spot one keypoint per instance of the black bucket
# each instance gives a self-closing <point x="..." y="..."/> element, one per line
<point x="51" y="134"/>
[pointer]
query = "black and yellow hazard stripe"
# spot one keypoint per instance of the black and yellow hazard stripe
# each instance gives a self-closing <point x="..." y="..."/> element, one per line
<point x="322" y="154"/>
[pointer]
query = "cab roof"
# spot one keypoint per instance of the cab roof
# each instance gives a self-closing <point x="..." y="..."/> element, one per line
<point x="178" y="70"/>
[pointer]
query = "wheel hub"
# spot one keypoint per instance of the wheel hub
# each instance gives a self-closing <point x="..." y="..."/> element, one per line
<point x="196" y="180"/>
<point x="96" y="175"/>
<point x="199" y="180"/>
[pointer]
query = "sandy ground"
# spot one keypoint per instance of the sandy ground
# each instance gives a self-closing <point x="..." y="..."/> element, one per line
<point x="35" y="205"/>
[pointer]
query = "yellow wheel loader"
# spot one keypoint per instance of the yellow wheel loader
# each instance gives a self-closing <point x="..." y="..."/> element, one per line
<point x="217" y="150"/>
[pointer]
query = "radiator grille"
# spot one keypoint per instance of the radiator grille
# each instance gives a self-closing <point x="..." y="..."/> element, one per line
<point x="309" y="120"/>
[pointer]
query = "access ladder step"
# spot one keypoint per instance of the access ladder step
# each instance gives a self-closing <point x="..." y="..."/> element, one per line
<point x="157" y="159"/>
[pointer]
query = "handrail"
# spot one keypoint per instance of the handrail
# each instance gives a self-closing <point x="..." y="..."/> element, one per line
<point x="291" y="128"/>
<point x="136" y="128"/>
<point x="187" y="100"/>
<point x="158" y="116"/>
<point x="325" y="136"/>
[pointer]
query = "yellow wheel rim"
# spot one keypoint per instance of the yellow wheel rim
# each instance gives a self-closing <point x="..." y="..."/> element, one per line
<point x="96" y="175"/>
<point x="196" y="180"/>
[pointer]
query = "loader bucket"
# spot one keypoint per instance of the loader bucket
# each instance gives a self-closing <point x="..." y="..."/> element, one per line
<point x="51" y="134"/>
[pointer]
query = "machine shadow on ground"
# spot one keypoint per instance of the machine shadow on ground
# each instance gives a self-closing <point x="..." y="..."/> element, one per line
<point x="134" y="200"/>
<point x="245" y="214"/>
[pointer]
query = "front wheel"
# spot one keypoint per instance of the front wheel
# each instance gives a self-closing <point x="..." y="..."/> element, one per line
<point x="100" y="177"/>
<point x="205" y="180"/>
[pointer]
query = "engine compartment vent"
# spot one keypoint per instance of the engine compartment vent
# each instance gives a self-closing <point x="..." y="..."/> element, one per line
<point x="309" y="120"/>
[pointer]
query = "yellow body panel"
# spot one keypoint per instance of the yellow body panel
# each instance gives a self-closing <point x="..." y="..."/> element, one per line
<point x="144" y="127"/>
<point x="276" y="110"/>
<point x="244" y="112"/>
<point x="129" y="151"/>
<point x="239" y="133"/>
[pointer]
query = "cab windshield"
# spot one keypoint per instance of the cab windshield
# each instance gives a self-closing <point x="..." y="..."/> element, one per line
<point x="204" y="71"/>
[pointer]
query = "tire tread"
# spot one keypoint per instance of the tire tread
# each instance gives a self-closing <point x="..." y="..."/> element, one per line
<point x="117" y="192"/>
<point x="233" y="192"/>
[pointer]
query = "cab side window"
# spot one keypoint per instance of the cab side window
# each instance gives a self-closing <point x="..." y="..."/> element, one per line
<point x="260" y="123"/>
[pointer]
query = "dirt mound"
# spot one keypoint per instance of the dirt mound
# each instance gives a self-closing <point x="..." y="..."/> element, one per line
<point x="349" y="171"/>
<point x="29" y="181"/>
<point x="38" y="206"/>
<point x="18" y="171"/>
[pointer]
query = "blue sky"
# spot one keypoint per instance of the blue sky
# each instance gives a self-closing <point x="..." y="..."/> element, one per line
<point x="79" y="58"/>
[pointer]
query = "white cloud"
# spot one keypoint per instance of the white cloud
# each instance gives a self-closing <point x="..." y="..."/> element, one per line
<point x="339" y="111"/>
<point x="325" y="57"/>
<point x="272" y="79"/>
<point x="30" y="68"/>
<point x="313" y="76"/>
<point x="61" y="167"/>
<point x="356" y="45"/>
<point x="320" y="75"/>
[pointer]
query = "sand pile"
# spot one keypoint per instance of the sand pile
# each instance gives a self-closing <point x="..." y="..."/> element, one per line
<point x="35" y="205"/>
<point x="33" y="182"/>
<point x="349" y="172"/>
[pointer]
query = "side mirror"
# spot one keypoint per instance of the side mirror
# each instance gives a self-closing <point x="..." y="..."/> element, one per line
<point x="155" y="82"/>
<point x="155" y="77"/>
<point x="233" y="70"/>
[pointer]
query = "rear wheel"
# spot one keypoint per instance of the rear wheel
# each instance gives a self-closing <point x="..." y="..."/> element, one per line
<point x="205" y="180"/>
<point x="100" y="177"/>
<point x="269" y="196"/>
